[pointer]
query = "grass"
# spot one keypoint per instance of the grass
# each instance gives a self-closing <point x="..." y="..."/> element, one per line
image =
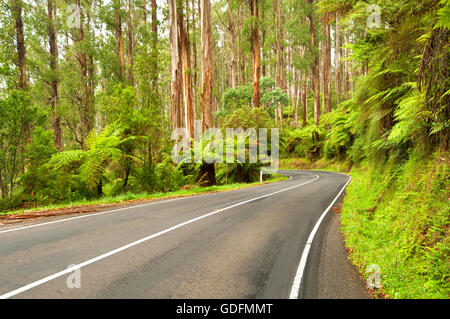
<point x="131" y="197"/>
<point x="398" y="217"/>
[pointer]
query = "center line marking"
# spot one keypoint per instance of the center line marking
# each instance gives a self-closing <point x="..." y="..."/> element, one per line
<point x="115" y="251"/>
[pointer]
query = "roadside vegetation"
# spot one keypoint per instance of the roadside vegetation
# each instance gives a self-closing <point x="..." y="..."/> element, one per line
<point x="129" y="198"/>
<point x="397" y="216"/>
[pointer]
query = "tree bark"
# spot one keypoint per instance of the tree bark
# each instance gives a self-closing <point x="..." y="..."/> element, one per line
<point x="255" y="53"/>
<point x="277" y="44"/>
<point x="130" y="47"/>
<point x="304" y="101"/>
<point x="315" y="67"/>
<point x="186" y="73"/>
<point x="207" y="63"/>
<point x="21" y="62"/>
<point x="231" y="28"/>
<point x="20" y="43"/>
<point x="284" y="66"/>
<point x="154" y="47"/>
<point x="54" y="83"/>
<point x="207" y="169"/>
<point x="175" y="65"/>
<point x="297" y="99"/>
<point x="336" y="59"/>
<point x="85" y="100"/>
<point x="327" y="63"/>
<point x="119" y="38"/>
<point x="346" y="76"/>
<point x="341" y="68"/>
<point x="263" y="43"/>
<point x="194" y="52"/>
<point x="91" y="78"/>
<point x="278" y="51"/>
<point x="322" y="73"/>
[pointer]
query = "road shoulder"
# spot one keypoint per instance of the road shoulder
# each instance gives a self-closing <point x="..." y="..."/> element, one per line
<point x="335" y="277"/>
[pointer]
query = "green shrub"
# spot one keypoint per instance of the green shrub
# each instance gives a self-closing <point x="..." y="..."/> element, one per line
<point x="396" y="215"/>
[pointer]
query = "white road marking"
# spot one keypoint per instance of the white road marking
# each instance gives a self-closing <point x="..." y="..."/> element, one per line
<point x="115" y="251"/>
<point x="107" y="212"/>
<point x="301" y="267"/>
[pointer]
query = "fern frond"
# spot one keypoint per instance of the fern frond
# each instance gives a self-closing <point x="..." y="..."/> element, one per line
<point x="65" y="159"/>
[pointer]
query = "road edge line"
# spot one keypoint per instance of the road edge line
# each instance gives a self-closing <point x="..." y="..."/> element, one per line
<point x="304" y="258"/>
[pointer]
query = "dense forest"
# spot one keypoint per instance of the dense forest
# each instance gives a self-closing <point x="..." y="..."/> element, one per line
<point x="90" y="92"/>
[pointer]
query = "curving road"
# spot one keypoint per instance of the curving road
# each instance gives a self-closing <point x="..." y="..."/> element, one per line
<point x="273" y="241"/>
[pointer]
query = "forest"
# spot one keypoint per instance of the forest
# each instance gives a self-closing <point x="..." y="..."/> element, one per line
<point x="90" y="92"/>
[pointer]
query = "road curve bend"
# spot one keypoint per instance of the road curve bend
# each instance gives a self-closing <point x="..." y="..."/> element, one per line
<point x="247" y="243"/>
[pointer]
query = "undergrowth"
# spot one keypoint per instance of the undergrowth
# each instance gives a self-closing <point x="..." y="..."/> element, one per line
<point x="397" y="216"/>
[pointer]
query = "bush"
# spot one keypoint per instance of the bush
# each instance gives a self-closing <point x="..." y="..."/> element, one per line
<point x="304" y="142"/>
<point x="168" y="176"/>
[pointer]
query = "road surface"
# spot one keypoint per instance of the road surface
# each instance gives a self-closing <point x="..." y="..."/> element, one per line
<point x="277" y="240"/>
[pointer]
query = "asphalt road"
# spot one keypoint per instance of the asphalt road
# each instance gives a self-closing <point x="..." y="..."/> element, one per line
<point x="245" y="243"/>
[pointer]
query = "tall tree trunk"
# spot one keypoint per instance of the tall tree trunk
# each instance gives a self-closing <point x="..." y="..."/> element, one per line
<point x="255" y="54"/>
<point x="85" y="101"/>
<point x="263" y="43"/>
<point x="297" y="98"/>
<point x="336" y="59"/>
<point x="341" y="68"/>
<point x="175" y="65"/>
<point x="2" y="187"/>
<point x="350" y="66"/>
<point x="144" y="11"/>
<point x="207" y="63"/>
<point x="51" y="13"/>
<point x="154" y="48"/>
<point x="328" y="69"/>
<point x="91" y="77"/>
<point x="277" y="44"/>
<point x="231" y="28"/>
<point x="241" y="54"/>
<point x="194" y="52"/>
<point x="346" y="76"/>
<point x="20" y="43"/>
<point x="304" y="97"/>
<point x="289" y="73"/>
<point x="322" y="74"/>
<point x="315" y="67"/>
<point x="186" y="72"/>
<point x="130" y="46"/>
<point x="119" y="38"/>
<point x="207" y="169"/>
<point x="279" y="66"/>
<point x="284" y="67"/>
<point x="21" y="63"/>
<point x="327" y="62"/>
